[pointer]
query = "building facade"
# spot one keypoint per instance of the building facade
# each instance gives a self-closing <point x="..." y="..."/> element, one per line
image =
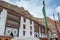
<point x="19" y="22"/>
<point x="18" y="25"/>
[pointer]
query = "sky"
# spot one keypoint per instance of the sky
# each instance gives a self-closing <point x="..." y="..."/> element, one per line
<point x="35" y="7"/>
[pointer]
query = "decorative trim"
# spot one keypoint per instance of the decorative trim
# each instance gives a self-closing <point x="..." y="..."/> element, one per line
<point x="18" y="33"/>
<point x="5" y="31"/>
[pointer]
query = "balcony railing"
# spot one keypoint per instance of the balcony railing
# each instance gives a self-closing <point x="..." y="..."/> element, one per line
<point x="12" y="24"/>
<point x="13" y="17"/>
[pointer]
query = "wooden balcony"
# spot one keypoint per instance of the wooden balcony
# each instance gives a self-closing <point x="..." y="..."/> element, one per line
<point x="12" y="24"/>
<point x="13" y="17"/>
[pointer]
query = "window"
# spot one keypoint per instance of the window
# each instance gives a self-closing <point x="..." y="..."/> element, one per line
<point x="14" y="31"/>
<point x="24" y="19"/>
<point x="23" y="33"/>
<point x="31" y="22"/>
<point x="30" y="27"/>
<point x="24" y="27"/>
<point x="8" y="31"/>
<point x="13" y="18"/>
<point x="30" y="33"/>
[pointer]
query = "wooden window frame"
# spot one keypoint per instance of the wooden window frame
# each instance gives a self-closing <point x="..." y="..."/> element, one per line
<point x="23" y="33"/>
<point x="30" y="27"/>
<point x="24" y="26"/>
<point x="30" y="33"/>
<point x="30" y="21"/>
<point x="24" y="19"/>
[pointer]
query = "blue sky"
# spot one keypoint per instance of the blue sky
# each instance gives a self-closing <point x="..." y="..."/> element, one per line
<point x="35" y="7"/>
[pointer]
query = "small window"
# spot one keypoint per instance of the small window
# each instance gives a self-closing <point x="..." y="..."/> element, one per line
<point x="30" y="27"/>
<point x="14" y="31"/>
<point x="30" y="33"/>
<point x="23" y="33"/>
<point x="24" y="19"/>
<point x="31" y="22"/>
<point x="24" y="26"/>
<point x="8" y="31"/>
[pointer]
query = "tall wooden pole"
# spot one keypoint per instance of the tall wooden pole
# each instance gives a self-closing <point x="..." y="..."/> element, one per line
<point x="55" y="23"/>
<point x="45" y="20"/>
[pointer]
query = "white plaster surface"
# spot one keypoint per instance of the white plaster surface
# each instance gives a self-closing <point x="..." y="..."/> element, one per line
<point x="3" y="21"/>
<point x="27" y="30"/>
<point x="25" y="38"/>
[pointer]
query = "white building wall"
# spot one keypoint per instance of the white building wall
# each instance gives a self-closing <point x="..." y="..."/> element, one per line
<point x="21" y="27"/>
<point x="27" y="23"/>
<point x="39" y="32"/>
<point x="2" y="21"/>
<point x="27" y="27"/>
<point x="32" y="28"/>
<point x="49" y="33"/>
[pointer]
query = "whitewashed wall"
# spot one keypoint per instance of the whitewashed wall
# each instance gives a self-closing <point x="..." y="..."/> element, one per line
<point x="40" y="34"/>
<point x="49" y="33"/>
<point x="27" y="28"/>
<point x="44" y="35"/>
<point x="32" y="28"/>
<point x="2" y="21"/>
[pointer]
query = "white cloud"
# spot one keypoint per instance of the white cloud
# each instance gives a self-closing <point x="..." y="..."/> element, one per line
<point x="58" y="9"/>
